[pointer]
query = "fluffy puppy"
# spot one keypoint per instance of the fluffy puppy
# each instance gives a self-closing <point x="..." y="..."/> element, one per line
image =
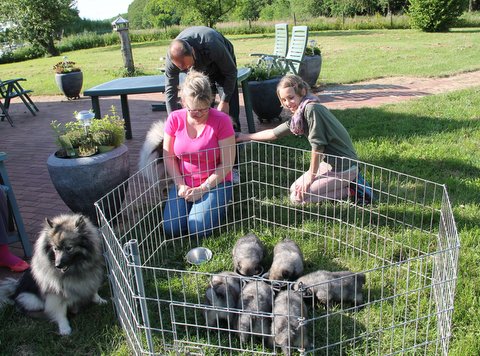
<point x="223" y="292"/>
<point x="256" y="299"/>
<point x="287" y="261"/>
<point x="152" y="149"/>
<point x="288" y="333"/>
<point x="66" y="272"/>
<point x="334" y="287"/>
<point x="248" y="254"/>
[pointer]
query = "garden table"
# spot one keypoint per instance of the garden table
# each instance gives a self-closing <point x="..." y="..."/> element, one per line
<point x="154" y="84"/>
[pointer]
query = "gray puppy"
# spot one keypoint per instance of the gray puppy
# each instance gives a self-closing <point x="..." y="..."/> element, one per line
<point x="288" y="332"/>
<point x="336" y="287"/>
<point x="257" y="296"/>
<point x="248" y="254"/>
<point x="223" y="292"/>
<point x="287" y="261"/>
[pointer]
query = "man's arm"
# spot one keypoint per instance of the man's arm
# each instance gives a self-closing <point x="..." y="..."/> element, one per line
<point x="225" y="61"/>
<point x="171" y="85"/>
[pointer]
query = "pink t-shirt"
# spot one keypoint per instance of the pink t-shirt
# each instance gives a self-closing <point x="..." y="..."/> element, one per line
<point x="198" y="157"/>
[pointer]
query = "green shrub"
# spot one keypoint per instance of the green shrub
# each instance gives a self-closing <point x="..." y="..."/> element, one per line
<point x="78" y="141"/>
<point x="263" y="70"/>
<point x="435" y="15"/>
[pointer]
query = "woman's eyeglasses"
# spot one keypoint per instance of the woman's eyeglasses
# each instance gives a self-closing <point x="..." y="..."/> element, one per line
<point x="197" y="111"/>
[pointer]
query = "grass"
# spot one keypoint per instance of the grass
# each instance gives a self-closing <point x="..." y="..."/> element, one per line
<point x="436" y="138"/>
<point x="348" y="56"/>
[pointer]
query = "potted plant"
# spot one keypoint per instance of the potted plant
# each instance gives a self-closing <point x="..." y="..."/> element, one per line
<point x="263" y="80"/>
<point x="69" y="78"/>
<point x="311" y="64"/>
<point x="83" y="170"/>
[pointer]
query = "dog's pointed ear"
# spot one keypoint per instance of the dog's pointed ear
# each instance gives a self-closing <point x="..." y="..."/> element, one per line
<point x="80" y="221"/>
<point x="49" y="222"/>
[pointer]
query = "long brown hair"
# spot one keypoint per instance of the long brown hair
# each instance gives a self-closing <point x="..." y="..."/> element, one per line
<point x="300" y="87"/>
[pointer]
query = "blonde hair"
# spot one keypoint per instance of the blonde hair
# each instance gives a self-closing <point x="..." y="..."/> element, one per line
<point x="300" y="87"/>
<point x="197" y="87"/>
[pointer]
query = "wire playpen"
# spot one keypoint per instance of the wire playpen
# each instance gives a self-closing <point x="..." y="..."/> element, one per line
<point x="405" y="243"/>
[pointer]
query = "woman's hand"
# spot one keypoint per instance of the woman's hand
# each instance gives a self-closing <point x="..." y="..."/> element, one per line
<point x="304" y="185"/>
<point x="182" y="190"/>
<point x="193" y="194"/>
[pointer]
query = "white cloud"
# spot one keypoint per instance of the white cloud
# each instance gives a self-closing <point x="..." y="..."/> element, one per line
<point x="102" y="9"/>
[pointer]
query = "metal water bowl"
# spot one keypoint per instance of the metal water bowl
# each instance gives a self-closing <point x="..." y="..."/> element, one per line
<point x="199" y="255"/>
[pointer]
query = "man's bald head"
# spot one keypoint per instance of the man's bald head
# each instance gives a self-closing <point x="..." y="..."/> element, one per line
<point x="181" y="54"/>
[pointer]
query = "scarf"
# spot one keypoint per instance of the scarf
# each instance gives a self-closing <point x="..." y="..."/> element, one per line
<point x="296" y="122"/>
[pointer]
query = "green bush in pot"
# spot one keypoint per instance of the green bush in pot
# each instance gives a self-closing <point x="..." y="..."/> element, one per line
<point x="78" y="140"/>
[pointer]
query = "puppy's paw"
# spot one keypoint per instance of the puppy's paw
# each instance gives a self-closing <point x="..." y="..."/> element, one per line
<point x="99" y="300"/>
<point x="64" y="329"/>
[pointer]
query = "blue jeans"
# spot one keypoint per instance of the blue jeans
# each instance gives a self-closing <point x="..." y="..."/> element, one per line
<point x="200" y="217"/>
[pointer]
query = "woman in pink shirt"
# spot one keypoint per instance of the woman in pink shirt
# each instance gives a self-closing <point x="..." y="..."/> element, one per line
<point x="199" y="151"/>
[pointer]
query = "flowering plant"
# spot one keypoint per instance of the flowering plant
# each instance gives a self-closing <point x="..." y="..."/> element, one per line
<point x="312" y="49"/>
<point x="265" y="69"/>
<point x="66" y="66"/>
<point x="78" y="139"/>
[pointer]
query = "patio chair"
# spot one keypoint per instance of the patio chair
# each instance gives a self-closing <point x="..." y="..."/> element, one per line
<point x="10" y="89"/>
<point x="4" y="114"/>
<point x="296" y="50"/>
<point x="281" y="44"/>
<point x="16" y="229"/>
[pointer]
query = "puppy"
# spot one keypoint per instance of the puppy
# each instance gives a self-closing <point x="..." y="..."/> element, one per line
<point x="66" y="272"/>
<point x="257" y="298"/>
<point x="288" y="333"/>
<point x="152" y="149"/>
<point x="334" y="287"/>
<point x="223" y="292"/>
<point x="287" y="261"/>
<point x="248" y="254"/>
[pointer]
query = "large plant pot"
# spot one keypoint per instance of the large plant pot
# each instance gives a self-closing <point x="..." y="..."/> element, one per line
<point x="264" y="99"/>
<point x="80" y="182"/>
<point x="310" y="69"/>
<point x="70" y="84"/>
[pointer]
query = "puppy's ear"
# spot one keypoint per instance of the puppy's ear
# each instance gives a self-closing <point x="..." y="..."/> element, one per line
<point x="49" y="222"/>
<point x="80" y="221"/>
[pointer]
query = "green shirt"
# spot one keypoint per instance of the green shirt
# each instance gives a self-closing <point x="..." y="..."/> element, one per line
<point x="324" y="132"/>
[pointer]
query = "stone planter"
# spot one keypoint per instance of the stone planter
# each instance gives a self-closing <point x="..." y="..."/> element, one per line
<point x="310" y="69"/>
<point x="265" y="102"/>
<point x="70" y="84"/>
<point x="80" y="182"/>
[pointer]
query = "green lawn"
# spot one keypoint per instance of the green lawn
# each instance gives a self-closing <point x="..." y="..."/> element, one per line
<point x="348" y="56"/>
<point x="436" y="138"/>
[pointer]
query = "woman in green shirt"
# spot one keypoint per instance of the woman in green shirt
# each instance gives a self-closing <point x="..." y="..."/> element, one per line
<point x="328" y="177"/>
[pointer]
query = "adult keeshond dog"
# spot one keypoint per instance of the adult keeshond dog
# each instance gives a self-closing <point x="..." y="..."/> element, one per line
<point x="152" y="150"/>
<point x="66" y="272"/>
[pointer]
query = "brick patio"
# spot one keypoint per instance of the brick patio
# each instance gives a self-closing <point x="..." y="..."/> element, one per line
<point x="31" y="141"/>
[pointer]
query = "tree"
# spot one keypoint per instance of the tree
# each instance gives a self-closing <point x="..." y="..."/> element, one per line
<point x="160" y="13"/>
<point x="249" y="10"/>
<point x="208" y="12"/>
<point x="435" y="15"/>
<point x="39" y="22"/>
<point x="135" y="13"/>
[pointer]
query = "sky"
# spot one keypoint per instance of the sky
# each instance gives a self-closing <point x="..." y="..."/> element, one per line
<point x="102" y="9"/>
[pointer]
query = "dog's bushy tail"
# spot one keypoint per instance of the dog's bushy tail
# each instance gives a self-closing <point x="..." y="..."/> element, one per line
<point x="152" y="149"/>
<point x="7" y="288"/>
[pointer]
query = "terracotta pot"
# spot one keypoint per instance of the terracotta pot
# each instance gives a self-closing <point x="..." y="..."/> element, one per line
<point x="70" y="84"/>
<point x="80" y="182"/>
